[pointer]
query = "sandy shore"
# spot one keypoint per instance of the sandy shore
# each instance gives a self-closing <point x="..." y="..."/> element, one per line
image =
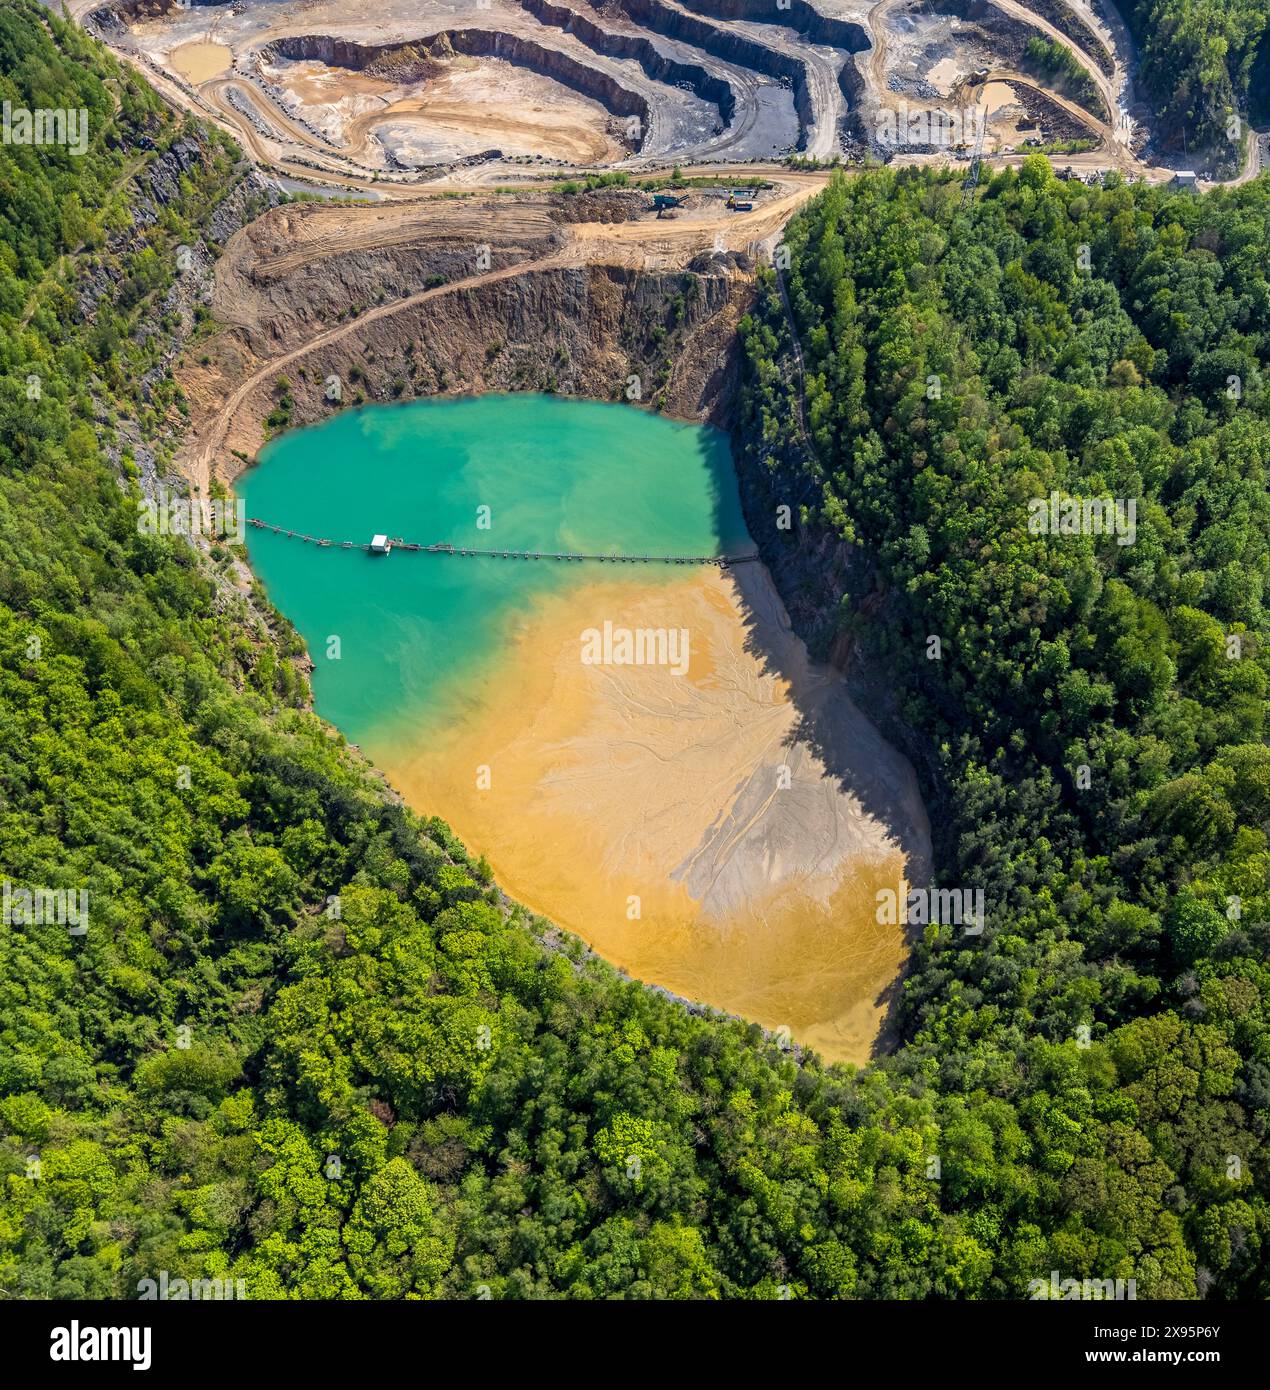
<point x="722" y="833"/>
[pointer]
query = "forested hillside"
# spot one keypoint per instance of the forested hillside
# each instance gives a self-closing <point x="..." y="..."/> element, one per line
<point x="1093" y="728"/>
<point x="305" y="1044"/>
<point x="1203" y="61"/>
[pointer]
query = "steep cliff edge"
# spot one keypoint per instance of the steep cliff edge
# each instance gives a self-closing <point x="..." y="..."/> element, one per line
<point x="486" y="297"/>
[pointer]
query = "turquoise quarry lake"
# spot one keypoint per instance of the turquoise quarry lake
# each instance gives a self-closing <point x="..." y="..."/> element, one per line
<point x="720" y="825"/>
<point x="555" y="475"/>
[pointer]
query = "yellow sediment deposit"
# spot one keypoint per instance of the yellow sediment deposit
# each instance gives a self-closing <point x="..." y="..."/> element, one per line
<point x="723" y="832"/>
<point x="199" y="62"/>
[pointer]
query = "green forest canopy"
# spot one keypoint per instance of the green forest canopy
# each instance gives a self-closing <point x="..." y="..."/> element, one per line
<point x="417" y="1097"/>
<point x="960" y="362"/>
<point x="1202" y="62"/>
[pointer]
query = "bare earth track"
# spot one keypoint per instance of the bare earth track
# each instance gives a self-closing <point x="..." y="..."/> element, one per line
<point x="775" y="82"/>
<point x="473" y="270"/>
<point x="343" y="232"/>
<point x="368" y="84"/>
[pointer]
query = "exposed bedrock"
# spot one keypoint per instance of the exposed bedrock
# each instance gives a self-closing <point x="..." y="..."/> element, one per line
<point x="852" y="85"/>
<point x="661" y="67"/>
<point x="147" y="9"/>
<point x="851" y="81"/>
<point x="798" y="15"/>
<point x="581" y="331"/>
<point x="732" y="48"/>
<point x="476" y="43"/>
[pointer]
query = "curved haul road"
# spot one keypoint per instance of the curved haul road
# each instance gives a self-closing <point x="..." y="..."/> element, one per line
<point x="295" y="152"/>
<point x="590" y="243"/>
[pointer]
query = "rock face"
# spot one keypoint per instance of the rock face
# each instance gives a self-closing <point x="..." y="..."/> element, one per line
<point x="730" y="46"/>
<point x="150" y="192"/>
<point x="664" y="338"/>
<point x="475" y="43"/>
<point x="588" y="331"/>
<point x="660" y="66"/>
<point x="148" y="9"/>
<point x="797" y="15"/>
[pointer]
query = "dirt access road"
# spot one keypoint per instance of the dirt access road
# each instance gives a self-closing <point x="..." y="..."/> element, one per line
<point x="971" y="87"/>
<point x="283" y="146"/>
<point x="643" y="241"/>
<point x="1117" y="136"/>
<point x="1108" y="88"/>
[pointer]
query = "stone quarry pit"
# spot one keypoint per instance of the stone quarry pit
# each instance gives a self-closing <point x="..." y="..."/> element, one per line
<point x="403" y="94"/>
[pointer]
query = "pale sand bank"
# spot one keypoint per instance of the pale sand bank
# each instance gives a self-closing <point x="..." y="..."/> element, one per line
<point x="608" y="782"/>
